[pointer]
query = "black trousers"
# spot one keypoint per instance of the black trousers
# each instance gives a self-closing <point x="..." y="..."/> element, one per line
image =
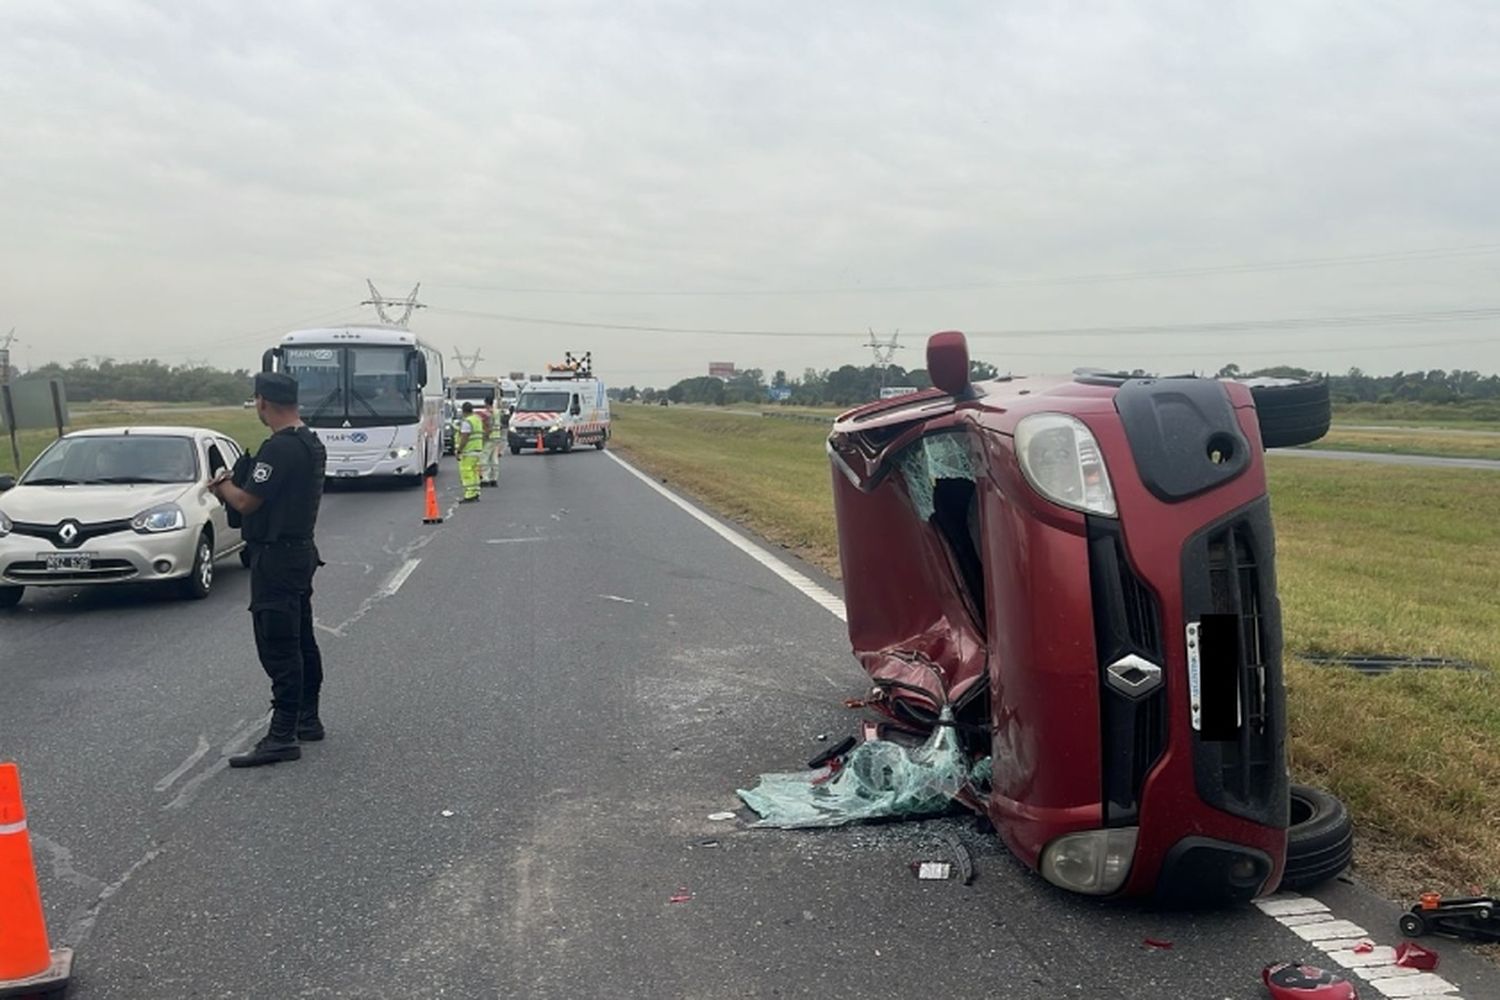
<point x="281" y="607"/>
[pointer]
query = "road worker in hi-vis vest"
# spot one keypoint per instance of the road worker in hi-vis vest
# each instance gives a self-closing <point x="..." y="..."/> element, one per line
<point x="470" y="449"/>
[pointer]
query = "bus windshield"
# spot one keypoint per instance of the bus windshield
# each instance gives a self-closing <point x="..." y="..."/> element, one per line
<point x="542" y="402"/>
<point x="357" y="386"/>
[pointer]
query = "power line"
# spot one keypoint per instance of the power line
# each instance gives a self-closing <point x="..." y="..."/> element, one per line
<point x="1432" y="316"/>
<point x="1195" y="271"/>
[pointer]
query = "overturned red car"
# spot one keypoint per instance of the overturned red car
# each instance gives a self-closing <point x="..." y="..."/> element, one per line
<point x="1082" y="570"/>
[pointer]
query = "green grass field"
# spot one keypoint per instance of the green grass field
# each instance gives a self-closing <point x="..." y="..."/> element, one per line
<point x="1371" y="559"/>
<point x="1431" y="440"/>
<point x="239" y="423"/>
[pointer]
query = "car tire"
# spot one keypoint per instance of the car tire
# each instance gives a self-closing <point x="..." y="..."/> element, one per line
<point x="568" y="444"/>
<point x="1320" y="839"/>
<point x="11" y="596"/>
<point x="603" y="440"/>
<point x="1292" y="415"/>
<point x="200" y="582"/>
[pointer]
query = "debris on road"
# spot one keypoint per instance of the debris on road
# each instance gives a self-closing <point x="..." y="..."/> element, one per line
<point x="1295" y="981"/>
<point x="682" y="895"/>
<point x="1364" y="947"/>
<point x="616" y="599"/>
<point x="1410" y="955"/>
<point x="1158" y="944"/>
<point x="932" y="871"/>
<point x="879" y="779"/>
<point x="721" y="817"/>
<point x="839" y="749"/>
<point x="446" y="813"/>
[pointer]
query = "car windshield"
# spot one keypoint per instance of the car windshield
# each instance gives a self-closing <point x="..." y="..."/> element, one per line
<point x="474" y="394"/>
<point x="543" y="402"/>
<point x="97" y="460"/>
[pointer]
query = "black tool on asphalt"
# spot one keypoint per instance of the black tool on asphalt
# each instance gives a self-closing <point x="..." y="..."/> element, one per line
<point x="840" y="748"/>
<point x="1473" y="918"/>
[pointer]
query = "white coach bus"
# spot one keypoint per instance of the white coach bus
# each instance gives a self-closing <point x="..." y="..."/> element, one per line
<point x="372" y="394"/>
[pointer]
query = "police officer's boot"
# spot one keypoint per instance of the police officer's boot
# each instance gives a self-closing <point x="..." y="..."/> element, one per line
<point x="279" y="744"/>
<point x="309" y="726"/>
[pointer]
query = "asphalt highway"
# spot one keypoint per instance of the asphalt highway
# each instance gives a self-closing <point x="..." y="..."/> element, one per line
<point x="533" y="710"/>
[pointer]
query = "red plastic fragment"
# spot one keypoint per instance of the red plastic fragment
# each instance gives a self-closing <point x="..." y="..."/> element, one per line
<point x="1158" y="943"/>
<point x="682" y="895"/>
<point x="1294" y="981"/>
<point x="1411" y="955"/>
<point x="1364" y="947"/>
<point x="854" y="703"/>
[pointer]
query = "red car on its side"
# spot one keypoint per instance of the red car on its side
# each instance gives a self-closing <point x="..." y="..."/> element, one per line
<point x="1083" y="569"/>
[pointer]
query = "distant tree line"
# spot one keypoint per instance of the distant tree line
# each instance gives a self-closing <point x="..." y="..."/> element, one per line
<point x="147" y="381"/>
<point x="851" y="385"/>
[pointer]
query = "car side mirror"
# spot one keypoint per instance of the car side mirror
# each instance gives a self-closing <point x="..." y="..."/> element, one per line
<point x="7" y="482"/>
<point x="421" y="371"/>
<point x="216" y="463"/>
<point x="948" y="363"/>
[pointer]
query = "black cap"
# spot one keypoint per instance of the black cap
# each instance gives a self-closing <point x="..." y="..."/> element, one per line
<point x="468" y="407"/>
<point x="275" y="387"/>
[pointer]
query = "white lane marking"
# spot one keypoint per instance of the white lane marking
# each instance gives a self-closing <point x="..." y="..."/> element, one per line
<point x="513" y="541"/>
<point x="827" y="601"/>
<point x="399" y="577"/>
<point x="185" y="766"/>
<point x="617" y="600"/>
<point x="1314" y="923"/>
<point x="1427" y="984"/>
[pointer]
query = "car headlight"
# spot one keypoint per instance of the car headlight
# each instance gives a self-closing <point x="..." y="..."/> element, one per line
<point x="5" y="525"/>
<point x="1062" y="462"/>
<point x="400" y="452"/>
<point x="1094" y="862"/>
<point x="554" y="428"/>
<point x="167" y="517"/>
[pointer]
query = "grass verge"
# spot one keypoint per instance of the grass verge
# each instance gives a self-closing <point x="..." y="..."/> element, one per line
<point x="1371" y="559"/>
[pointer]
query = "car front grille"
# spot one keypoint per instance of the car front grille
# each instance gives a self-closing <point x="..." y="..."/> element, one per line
<point x="1127" y="623"/>
<point x="102" y="570"/>
<point x="1228" y="569"/>
<point x="83" y="532"/>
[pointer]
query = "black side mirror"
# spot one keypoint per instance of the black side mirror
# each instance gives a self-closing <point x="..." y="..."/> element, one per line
<point x="7" y="482"/>
<point x="216" y="463"/>
<point x="421" y="370"/>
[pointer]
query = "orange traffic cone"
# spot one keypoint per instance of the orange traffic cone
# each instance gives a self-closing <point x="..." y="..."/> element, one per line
<point x="28" y="967"/>
<point x="539" y="442"/>
<point x="433" y="515"/>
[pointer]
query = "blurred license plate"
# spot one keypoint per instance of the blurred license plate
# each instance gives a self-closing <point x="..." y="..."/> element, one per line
<point x="70" y="561"/>
<point x="346" y="473"/>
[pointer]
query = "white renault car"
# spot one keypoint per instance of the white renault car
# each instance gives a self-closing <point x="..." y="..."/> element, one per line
<point x="117" y="504"/>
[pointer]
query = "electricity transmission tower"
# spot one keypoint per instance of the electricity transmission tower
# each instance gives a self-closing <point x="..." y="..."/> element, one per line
<point x="5" y="342"/>
<point x="885" y="352"/>
<point x="380" y="302"/>
<point x="468" y="363"/>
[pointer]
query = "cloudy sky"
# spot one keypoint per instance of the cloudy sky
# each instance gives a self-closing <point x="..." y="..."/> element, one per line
<point x="1166" y="185"/>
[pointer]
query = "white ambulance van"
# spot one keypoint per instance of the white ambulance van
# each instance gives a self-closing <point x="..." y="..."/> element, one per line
<point x="567" y="408"/>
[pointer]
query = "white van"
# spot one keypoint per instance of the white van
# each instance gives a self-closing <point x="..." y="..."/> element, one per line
<point x="567" y="408"/>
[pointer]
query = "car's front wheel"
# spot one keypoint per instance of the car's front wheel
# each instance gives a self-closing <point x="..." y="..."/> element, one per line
<point x="200" y="582"/>
<point x="11" y="596"/>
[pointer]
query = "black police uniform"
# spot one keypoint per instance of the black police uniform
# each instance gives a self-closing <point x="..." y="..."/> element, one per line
<point x="288" y="478"/>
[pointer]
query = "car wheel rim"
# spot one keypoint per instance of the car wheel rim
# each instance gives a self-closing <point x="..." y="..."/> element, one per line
<point x="206" y="573"/>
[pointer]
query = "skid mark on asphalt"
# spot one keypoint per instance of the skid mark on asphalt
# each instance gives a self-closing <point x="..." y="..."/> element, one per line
<point x="185" y="766"/>
<point x="390" y="588"/>
<point x="234" y="745"/>
<point x="83" y="919"/>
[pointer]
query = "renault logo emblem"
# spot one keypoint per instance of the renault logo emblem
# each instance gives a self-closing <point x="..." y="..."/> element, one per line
<point x="68" y="532"/>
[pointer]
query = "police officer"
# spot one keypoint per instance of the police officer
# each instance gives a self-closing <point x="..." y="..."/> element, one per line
<point x="277" y="493"/>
